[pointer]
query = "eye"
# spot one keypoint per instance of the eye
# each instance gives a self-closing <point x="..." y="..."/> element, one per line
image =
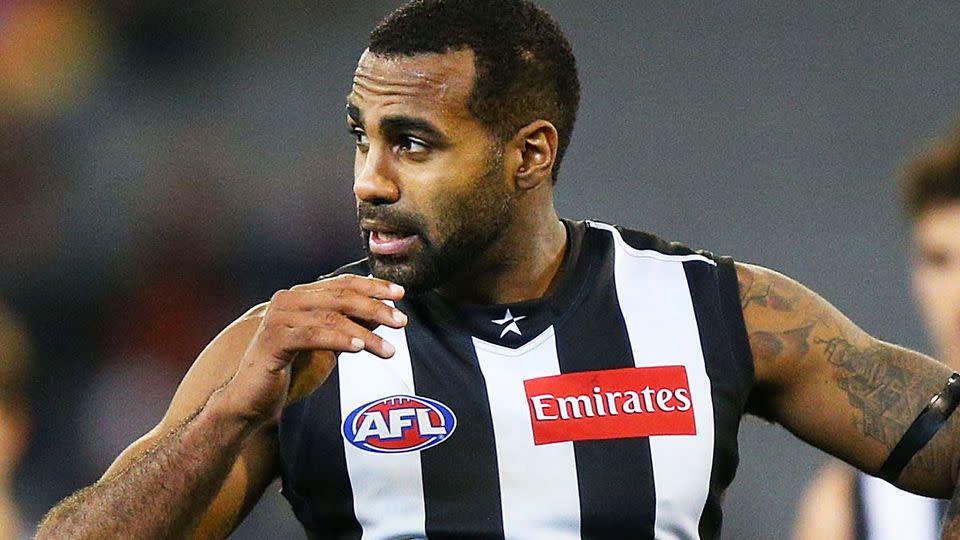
<point x="934" y="259"/>
<point x="412" y="145"/>
<point x="360" y="138"/>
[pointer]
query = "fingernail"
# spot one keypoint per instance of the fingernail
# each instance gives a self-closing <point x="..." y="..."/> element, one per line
<point x="396" y="289"/>
<point x="399" y="316"/>
<point x="358" y="343"/>
<point x="388" y="348"/>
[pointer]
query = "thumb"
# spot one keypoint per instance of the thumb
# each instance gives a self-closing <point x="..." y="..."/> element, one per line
<point x="309" y="370"/>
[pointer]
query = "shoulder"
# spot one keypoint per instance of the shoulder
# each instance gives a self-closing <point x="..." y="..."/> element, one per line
<point x="645" y="245"/>
<point x="641" y="242"/>
<point x="783" y="317"/>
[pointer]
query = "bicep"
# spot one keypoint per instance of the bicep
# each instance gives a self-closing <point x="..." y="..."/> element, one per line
<point x="831" y="384"/>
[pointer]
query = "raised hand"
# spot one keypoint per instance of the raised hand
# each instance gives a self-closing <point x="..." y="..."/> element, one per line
<point x="301" y="332"/>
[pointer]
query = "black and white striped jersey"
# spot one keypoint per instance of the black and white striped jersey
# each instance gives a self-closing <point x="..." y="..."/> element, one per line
<point x="884" y="512"/>
<point x="608" y="409"/>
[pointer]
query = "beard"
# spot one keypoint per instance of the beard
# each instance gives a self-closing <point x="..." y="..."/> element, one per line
<point x="465" y="225"/>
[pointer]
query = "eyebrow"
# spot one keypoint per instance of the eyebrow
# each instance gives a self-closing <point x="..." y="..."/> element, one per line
<point x="397" y="125"/>
<point x="392" y="126"/>
<point x="354" y="113"/>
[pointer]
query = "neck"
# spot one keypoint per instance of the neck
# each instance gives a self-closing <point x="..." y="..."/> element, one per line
<point x="522" y="265"/>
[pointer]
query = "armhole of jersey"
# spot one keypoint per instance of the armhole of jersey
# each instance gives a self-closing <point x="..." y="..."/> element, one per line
<point x="735" y="324"/>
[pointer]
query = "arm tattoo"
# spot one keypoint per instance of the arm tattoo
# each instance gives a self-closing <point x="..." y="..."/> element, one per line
<point x="876" y="386"/>
<point x="796" y="335"/>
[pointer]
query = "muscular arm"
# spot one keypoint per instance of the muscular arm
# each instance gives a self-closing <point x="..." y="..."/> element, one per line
<point x="200" y="470"/>
<point x="836" y="387"/>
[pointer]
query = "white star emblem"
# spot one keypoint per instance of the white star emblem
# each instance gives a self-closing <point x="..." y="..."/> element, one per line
<point x="511" y="323"/>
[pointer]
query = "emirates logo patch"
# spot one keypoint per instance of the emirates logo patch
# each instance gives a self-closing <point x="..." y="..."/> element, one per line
<point x="611" y="404"/>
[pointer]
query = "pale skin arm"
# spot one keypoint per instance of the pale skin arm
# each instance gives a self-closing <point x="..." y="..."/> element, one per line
<point x="208" y="461"/>
<point x="836" y="387"/>
<point x="826" y="509"/>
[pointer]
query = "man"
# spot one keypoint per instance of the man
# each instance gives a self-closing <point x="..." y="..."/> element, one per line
<point x="841" y="503"/>
<point x="503" y="373"/>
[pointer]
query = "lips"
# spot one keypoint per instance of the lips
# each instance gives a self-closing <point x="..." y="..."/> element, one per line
<point x="390" y="242"/>
<point x="387" y="238"/>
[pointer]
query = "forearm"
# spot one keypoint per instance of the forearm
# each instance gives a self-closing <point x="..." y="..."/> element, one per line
<point x="164" y="492"/>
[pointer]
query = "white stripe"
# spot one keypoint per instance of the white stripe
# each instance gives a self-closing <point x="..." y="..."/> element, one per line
<point x="893" y="514"/>
<point x="538" y="484"/>
<point x="658" y="312"/>
<point x="387" y="488"/>
<point x="648" y="253"/>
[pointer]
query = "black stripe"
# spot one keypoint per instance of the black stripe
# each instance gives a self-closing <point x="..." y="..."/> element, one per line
<point x="314" y="464"/>
<point x="736" y="328"/>
<point x="722" y="339"/>
<point x="615" y="477"/>
<point x="461" y="484"/>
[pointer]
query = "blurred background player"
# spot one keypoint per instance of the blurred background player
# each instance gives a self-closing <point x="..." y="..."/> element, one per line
<point x="841" y="503"/>
<point x="14" y="419"/>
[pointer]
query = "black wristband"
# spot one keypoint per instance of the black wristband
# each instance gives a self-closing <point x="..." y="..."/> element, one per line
<point x="928" y="422"/>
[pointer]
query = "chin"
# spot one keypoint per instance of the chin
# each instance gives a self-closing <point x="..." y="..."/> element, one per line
<point x="404" y="273"/>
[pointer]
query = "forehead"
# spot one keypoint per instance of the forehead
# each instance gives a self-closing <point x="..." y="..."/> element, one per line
<point x="427" y="85"/>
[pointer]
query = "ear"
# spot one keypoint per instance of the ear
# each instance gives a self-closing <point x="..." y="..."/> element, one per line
<point x="536" y="148"/>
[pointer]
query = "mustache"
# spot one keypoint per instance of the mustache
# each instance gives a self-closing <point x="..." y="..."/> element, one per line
<point x="391" y="217"/>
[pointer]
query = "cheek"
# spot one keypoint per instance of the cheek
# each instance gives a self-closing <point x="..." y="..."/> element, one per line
<point x="440" y="198"/>
<point x="937" y="296"/>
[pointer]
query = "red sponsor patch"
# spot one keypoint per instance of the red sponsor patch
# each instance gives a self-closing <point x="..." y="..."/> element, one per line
<point x="610" y="404"/>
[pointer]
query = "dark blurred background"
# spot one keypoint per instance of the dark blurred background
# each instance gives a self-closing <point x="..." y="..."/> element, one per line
<point x="165" y="165"/>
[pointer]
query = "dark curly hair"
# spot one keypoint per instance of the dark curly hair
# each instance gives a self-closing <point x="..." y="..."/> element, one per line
<point x="525" y="67"/>
<point x="933" y="178"/>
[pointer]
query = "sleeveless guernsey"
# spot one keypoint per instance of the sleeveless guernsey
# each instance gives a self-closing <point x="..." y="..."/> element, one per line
<point x="608" y="409"/>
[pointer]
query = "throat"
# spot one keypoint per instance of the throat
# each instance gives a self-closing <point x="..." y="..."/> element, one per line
<point x="522" y="273"/>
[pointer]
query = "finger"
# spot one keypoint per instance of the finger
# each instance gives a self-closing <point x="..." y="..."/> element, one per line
<point x="303" y="328"/>
<point x="353" y="304"/>
<point x="365" y="285"/>
<point x="320" y="338"/>
<point x="367" y="310"/>
<point x="372" y="343"/>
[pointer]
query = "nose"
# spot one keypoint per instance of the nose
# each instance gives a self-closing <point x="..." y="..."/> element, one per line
<point x="374" y="178"/>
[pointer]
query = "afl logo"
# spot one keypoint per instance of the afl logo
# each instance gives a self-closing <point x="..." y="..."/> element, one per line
<point x="399" y="424"/>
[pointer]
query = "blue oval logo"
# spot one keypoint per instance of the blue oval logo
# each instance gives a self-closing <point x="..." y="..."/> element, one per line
<point x="398" y="424"/>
